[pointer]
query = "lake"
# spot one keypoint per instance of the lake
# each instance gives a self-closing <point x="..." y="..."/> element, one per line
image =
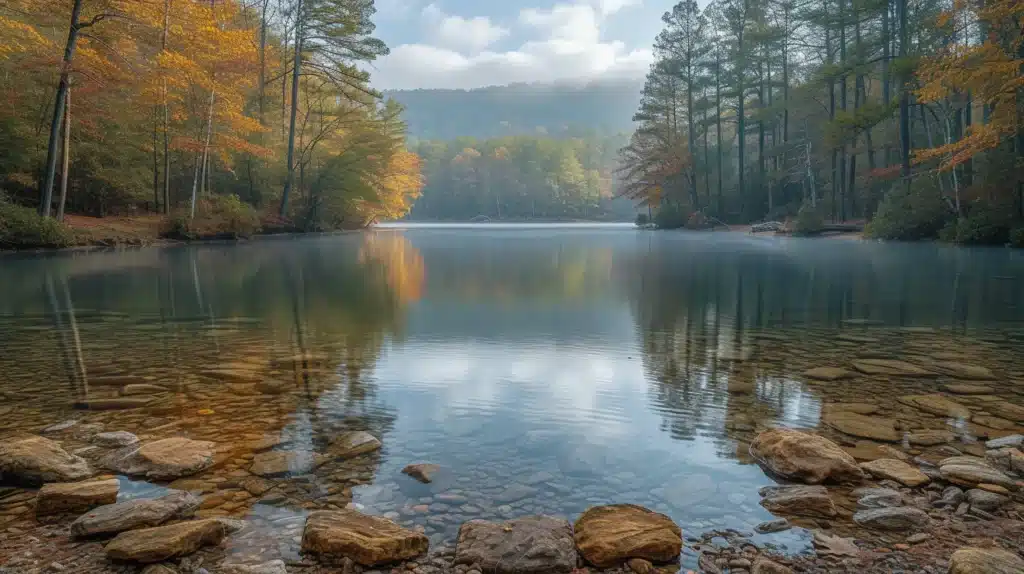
<point x="543" y="368"/>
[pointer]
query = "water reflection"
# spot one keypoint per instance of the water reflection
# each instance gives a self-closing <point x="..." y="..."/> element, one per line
<point x="546" y="370"/>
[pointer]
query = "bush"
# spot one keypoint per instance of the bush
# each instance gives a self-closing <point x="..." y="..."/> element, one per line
<point x="1017" y="237"/>
<point x="642" y="219"/>
<point x="23" y="228"/>
<point x="697" y="220"/>
<point x="915" y="214"/>
<point x="220" y="216"/>
<point x="809" y="220"/>
<point x="670" y="217"/>
<point x="984" y="225"/>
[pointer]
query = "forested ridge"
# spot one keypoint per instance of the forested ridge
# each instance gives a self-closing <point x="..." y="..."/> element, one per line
<point x="217" y="113"/>
<point x="908" y="113"/>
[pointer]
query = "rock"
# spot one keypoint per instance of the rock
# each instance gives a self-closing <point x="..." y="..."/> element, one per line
<point x="352" y="444"/>
<point x="918" y="538"/>
<point x="892" y="469"/>
<point x="994" y="488"/>
<point x="992" y="422"/>
<point x="164" y="542"/>
<point x="970" y="471"/>
<point x="272" y="567"/>
<point x="59" y="427"/>
<point x="771" y="526"/>
<point x="930" y="437"/>
<point x="159" y="569"/>
<point x="877" y="497"/>
<point x="165" y="459"/>
<point x="892" y="518"/>
<point x="1014" y="440"/>
<point x="142" y="389"/>
<point x="35" y="460"/>
<point x="986" y="500"/>
<point x="859" y="408"/>
<point x="133" y="514"/>
<point x="829" y="545"/>
<point x="609" y="535"/>
<point x="300" y="360"/>
<point x="423" y="472"/>
<point x="827" y="373"/>
<point x="963" y="371"/>
<point x="867" y="450"/>
<point x="985" y="561"/>
<point x="514" y="493"/>
<point x="528" y="545"/>
<point x="798" y="500"/>
<point x="937" y="405"/>
<point x="75" y="497"/>
<point x="765" y="566"/>
<point x="368" y="540"/>
<point x="112" y="404"/>
<point x="232" y="375"/>
<point x="117" y="439"/>
<point x="255" y="485"/>
<point x="967" y="389"/>
<point x="640" y="566"/>
<point x="802" y="456"/>
<point x="861" y="426"/>
<point x="890" y="367"/>
<point x="1006" y="410"/>
<point x="285" y="462"/>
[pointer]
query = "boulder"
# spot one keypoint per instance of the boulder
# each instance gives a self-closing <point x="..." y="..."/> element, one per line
<point x="986" y="500"/>
<point x="967" y="389"/>
<point x="799" y="500"/>
<point x="937" y="405"/>
<point x="985" y="561"/>
<point x="161" y="543"/>
<point x="285" y="462"/>
<point x="423" y="472"/>
<point x="828" y="373"/>
<point x="970" y="471"/>
<point x="803" y="456"/>
<point x="34" y="460"/>
<point x="528" y="545"/>
<point x="133" y="514"/>
<point x="116" y="439"/>
<point x="861" y="426"/>
<point x="892" y="518"/>
<point x="892" y="469"/>
<point x="607" y="536"/>
<point x="64" y="498"/>
<point x="368" y="540"/>
<point x="891" y="367"/>
<point x="165" y="459"/>
<point x="352" y="444"/>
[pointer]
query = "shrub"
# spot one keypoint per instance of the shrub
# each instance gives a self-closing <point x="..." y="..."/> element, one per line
<point x="1017" y="237"/>
<point x="670" y="217"/>
<point x="915" y="214"/>
<point x="809" y="220"/>
<point x="642" y="219"/>
<point x="23" y="228"/>
<point x="984" y="225"/>
<point x="697" y="220"/>
<point x="220" y="216"/>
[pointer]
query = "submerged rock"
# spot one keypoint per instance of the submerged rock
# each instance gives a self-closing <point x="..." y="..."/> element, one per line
<point x="892" y="469"/>
<point x="368" y="540"/>
<point x="964" y="371"/>
<point x="528" y="545"/>
<point x="165" y="459"/>
<point x="352" y="444"/>
<point x="828" y="373"/>
<point x="892" y="518"/>
<point x="75" y="497"/>
<point x="967" y="389"/>
<point x="985" y="561"/>
<point x="133" y="514"/>
<point x="930" y="437"/>
<point x="272" y="567"/>
<point x="116" y="439"/>
<point x="798" y="500"/>
<point x="36" y="460"/>
<point x="607" y="536"/>
<point x="423" y="472"/>
<point x="891" y="367"/>
<point x="861" y="426"/>
<point x="285" y="462"/>
<point x="803" y="456"/>
<point x="113" y="404"/>
<point x="937" y="405"/>
<point x="1007" y="410"/>
<point x="164" y="542"/>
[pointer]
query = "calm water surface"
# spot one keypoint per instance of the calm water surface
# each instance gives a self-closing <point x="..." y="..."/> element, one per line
<point x="545" y="368"/>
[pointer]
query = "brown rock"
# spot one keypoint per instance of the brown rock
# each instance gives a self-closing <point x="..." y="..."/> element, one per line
<point x="930" y="437"/>
<point x="766" y="566"/>
<point x="640" y="566"/>
<point x="963" y="371"/>
<point x="805" y="457"/>
<point x="164" y="542"/>
<point x="112" y="404"/>
<point x="75" y="497"/>
<point x="423" y="472"/>
<point x="937" y="405"/>
<point x="165" y="459"/>
<point x="798" y="500"/>
<point x="285" y="462"/>
<point x="827" y="373"/>
<point x="985" y="561"/>
<point x="368" y="540"/>
<point x="859" y="408"/>
<point x="133" y="514"/>
<point x="1007" y="410"/>
<point x="609" y="535"/>
<point x="892" y="469"/>
<point x="971" y="471"/>
<point x="528" y="545"/>
<point x="993" y="422"/>
<point x="967" y="389"/>
<point x="890" y="367"/>
<point x="861" y="426"/>
<point x="35" y="460"/>
<point x="892" y="518"/>
<point x="352" y="444"/>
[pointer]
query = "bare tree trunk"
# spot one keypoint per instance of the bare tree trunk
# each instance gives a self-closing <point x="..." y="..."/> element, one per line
<point x="66" y="159"/>
<point x="296" y="73"/>
<point x="167" y="118"/>
<point x="201" y="164"/>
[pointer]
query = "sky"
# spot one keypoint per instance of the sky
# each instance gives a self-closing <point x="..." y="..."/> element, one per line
<point x="475" y="43"/>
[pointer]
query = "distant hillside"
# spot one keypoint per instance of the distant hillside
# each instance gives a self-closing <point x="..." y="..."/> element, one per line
<point x="555" y="109"/>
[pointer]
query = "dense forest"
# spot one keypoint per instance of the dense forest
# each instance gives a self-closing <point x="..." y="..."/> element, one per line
<point x="521" y="177"/>
<point x="910" y="114"/>
<point x="555" y="109"/>
<point x="207" y="111"/>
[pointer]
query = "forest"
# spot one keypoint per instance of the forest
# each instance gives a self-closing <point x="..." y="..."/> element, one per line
<point x="522" y="177"/>
<point x="219" y="116"/>
<point x="908" y="114"/>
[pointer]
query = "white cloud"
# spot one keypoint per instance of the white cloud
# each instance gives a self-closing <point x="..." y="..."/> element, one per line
<point x="461" y="34"/>
<point x="561" y="42"/>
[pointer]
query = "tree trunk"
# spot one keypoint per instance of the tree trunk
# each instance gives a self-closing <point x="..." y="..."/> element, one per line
<point x="718" y="124"/>
<point x="156" y="161"/>
<point x="296" y="73"/>
<point x="58" y="111"/>
<point x="842" y="105"/>
<point x="167" y="115"/>
<point x="904" y="96"/>
<point x="66" y="158"/>
<point x="201" y="164"/>
<point x="886" y="81"/>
